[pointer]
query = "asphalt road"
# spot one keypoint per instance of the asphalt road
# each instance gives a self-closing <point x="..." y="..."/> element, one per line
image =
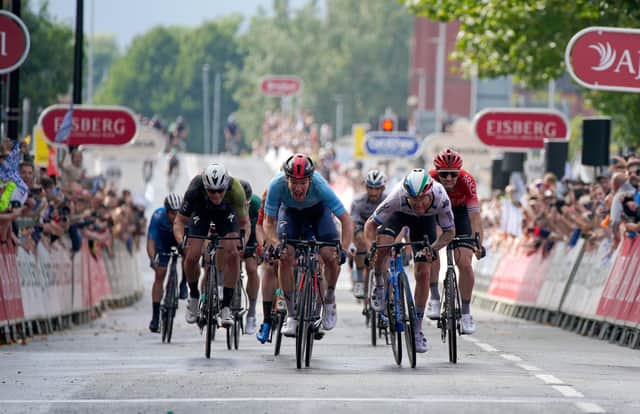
<point x="115" y="365"/>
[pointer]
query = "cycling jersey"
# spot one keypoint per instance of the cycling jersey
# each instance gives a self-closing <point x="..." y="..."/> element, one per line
<point x="362" y="208"/>
<point x="161" y="232"/>
<point x="261" y="211"/>
<point x="396" y="202"/>
<point x="464" y="193"/>
<point x="319" y="192"/>
<point x="196" y="199"/>
<point x="254" y="209"/>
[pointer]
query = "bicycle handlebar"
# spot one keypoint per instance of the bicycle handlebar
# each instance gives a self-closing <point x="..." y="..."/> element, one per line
<point x="472" y="242"/>
<point x="215" y="238"/>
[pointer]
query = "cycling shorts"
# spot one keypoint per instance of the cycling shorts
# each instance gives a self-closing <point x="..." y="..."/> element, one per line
<point x="418" y="227"/>
<point x="316" y="221"/>
<point x="223" y="216"/>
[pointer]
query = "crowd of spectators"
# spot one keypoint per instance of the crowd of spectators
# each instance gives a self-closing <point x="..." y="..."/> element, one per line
<point x="567" y="210"/>
<point x="41" y="205"/>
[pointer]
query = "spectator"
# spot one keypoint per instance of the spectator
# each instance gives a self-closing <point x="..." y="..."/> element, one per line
<point x="27" y="173"/>
<point x="72" y="169"/>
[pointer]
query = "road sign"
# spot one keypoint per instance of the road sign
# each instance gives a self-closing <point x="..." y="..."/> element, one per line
<point x="91" y="125"/>
<point x="280" y="85"/>
<point x="605" y="58"/>
<point x="14" y="42"/>
<point x="391" y="144"/>
<point x="519" y="127"/>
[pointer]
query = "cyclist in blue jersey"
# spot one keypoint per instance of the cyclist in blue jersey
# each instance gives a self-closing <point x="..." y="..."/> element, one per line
<point x="160" y="240"/>
<point x="303" y="203"/>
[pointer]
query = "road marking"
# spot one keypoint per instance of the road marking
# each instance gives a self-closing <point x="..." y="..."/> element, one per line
<point x="528" y="367"/>
<point x="567" y="391"/>
<point x="511" y="357"/>
<point x="455" y="398"/>
<point x="588" y="407"/>
<point x="549" y="379"/>
<point x="486" y="347"/>
<point x="469" y="338"/>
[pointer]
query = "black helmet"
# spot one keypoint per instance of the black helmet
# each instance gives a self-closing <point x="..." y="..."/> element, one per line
<point x="248" y="191"/>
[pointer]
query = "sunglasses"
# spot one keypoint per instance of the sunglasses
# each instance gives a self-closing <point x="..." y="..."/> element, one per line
<point x="215" y="191"/>
<point x="445" y="174"/>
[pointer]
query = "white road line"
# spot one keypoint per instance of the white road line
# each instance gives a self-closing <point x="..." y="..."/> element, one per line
<point x="511" y="357"/>
<point x="567" y="391"/>
<point x="549" y="379"/>
<point x="469" y="338"/>
<point x="528" y="367"/>
<point x="591" y="408"/>
<point x="431" y="398"/>
<point x="486" y="347"/>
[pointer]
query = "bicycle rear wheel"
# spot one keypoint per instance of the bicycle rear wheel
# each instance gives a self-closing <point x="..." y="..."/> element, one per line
<point x="396" y="337"/>
<point x="373" y="318"/>
<point x="170" y="318"/>
<point x="303" y="326"/>
<point x="277" y="331"/>
<point x="450" y="293"/>
<point x="409" y="315"/>
<point x="236" y="332"/>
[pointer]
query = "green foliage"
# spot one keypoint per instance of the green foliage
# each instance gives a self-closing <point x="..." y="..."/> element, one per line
<point x="105" y="52"/>
<point x="359" y="51"/>
<point x="48" y="71"/>
<point x="527" y="39"/>
<point x="161" y="72"/>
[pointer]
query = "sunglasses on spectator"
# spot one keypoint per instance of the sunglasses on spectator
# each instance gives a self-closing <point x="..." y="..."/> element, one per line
<point x="445" y="174"/>
<point x="216" y="191"/>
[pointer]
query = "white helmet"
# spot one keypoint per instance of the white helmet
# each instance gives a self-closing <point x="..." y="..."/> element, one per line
<point x="172" y="202"/>
<point x="375" y="179"/>
<point x="215" y="177"/>
<point x="417" y="183"/>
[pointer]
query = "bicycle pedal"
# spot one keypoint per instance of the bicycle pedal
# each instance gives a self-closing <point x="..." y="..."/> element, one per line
<point x="318" y="335"/>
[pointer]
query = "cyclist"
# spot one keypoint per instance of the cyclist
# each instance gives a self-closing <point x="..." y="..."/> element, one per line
<point x="212" y="197"/>
<point x="269" y="279"/>
<point x="361" y="209"/>
<point x="461" y="189"/>
<point x="416" y="202"/>
<point x="249" y="256"/>
<point x="160" y="240"/>
<point x="302" y="199"/>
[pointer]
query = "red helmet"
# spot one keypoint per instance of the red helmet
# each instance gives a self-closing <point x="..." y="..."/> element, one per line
<point x="447" y="160"/>
<point x="298" y="166"/>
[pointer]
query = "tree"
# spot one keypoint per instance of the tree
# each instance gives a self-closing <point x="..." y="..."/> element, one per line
<point x="527" y="39"/>
<point x="358" y="51"/>
<point x="48" y="70"/>
<point x="105" y="52"/>
<point x="161" y="72"/>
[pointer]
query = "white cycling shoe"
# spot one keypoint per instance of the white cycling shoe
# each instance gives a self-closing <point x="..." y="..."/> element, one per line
<point x="329" y="316"/>
<point x="433" y="309"/>
<point x="251" y="327"/>
<point x="377" y="298"/>
<point x="192" y="312"/>
<point x="289" y="327"/>
<point x="468" y="326"/>
<point x="421" y="343"/>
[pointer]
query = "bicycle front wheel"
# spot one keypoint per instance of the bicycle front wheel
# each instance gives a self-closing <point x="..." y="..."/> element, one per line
<point x="409" y="316"/>
<point x="451" y="321"/>
<point x="236" y="332"/>
<point x="277" y="331"/>
<point x="373" y="317"/>
<point x="211" y="306"/>
<point x="304" y="312"/>
<point x="396" y="335"/>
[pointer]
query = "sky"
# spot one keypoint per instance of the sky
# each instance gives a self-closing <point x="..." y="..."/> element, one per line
<point x="129" y="18"/>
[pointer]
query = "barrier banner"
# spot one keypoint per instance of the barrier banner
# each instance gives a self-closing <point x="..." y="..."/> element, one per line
<point x="31" y="285"/>
<point x="510" y="274"/>
<point x="485" y="269"/>
<point x="563" y="263"/>
<point x="585" y="290"/>
<point x="534" y="277"/>
<point x="11" y="283"/>
<point x="77" y="293"/>
<point x="60" y="257"/>
<point x="52" y="297"/>
<point x="100" y="288"/>
<point x="4" y="318"/>
<point x="620" y="291"/>
<point x="617" y="281"/>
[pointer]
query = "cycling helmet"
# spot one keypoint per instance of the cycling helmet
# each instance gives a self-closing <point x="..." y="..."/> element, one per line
<point x="248" y="191"/>
<point x="215" y="177"/>
<point x="172" y="202"/>
<point x="375" y="179"/>
<point x="417" y="183"/>
<point x="298" y="166"/>
<point x="447" y="160"/>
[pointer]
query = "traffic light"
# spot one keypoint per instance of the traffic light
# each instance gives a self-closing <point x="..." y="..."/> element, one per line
<point x="387" y="124"/>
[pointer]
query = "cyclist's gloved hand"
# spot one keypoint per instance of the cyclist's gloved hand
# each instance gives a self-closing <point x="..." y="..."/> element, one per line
<point x="152" y="263"/>
<point x="482" y="252"/>
<point x="352" y="249"/>
<point x="343" y="256"/>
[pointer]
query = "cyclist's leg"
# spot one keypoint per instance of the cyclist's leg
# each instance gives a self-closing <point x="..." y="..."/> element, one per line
<point x="229" y="260"/>
<point x="361" y="246"/>
<point x="269" y="285"/>
<point x="418" y="228"/>
<point x="199" y="226"/>
<point x="325" y="230"/>
<point x="156" y="294"/>
<point x="463" y="257"/>
<point x="386" y="234"/>
<point x="253" y="283"/>
<point x="289" y="222"/>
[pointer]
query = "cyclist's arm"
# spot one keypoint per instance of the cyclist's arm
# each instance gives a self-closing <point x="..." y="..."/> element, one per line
<point x="179" y="225"/>
<point x="444" y="239"/>
<point x="476" y="224"/>
<point x="245" y="224"/>
<point x="347" y="229"/>
<point x="151" y="248"/>
<point x="260" y="236"/>
<point x="270" y="230"/>
<point x="370" y="228"/>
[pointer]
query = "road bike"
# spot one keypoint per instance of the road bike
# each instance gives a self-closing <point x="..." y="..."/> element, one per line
<point x="211" y="300"/>
<point x="449" y="322"/>
<point x="169" y="304"/>
<point x="238" y="309"/>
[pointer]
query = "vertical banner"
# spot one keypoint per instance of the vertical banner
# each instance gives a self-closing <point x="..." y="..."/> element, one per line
<point x="359" y="133"/>
<point x="41" y="148"/>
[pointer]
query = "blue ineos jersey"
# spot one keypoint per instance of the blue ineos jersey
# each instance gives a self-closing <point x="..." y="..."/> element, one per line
<point x="319" y="192"/>
<point x="161" y="229"/>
